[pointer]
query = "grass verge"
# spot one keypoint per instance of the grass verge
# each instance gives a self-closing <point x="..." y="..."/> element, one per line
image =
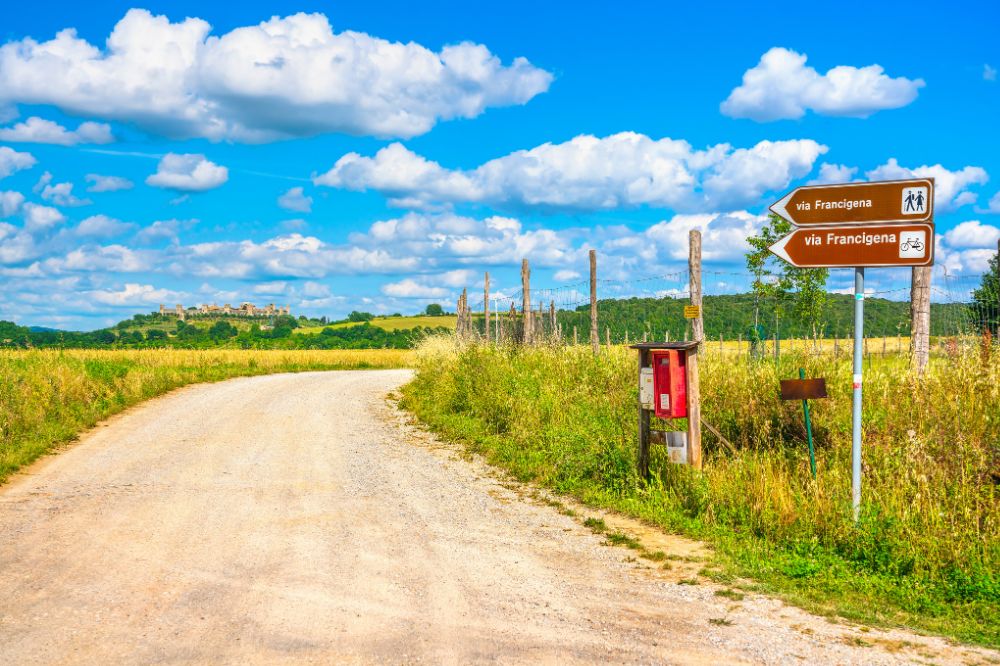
<point x="926" y="553"/>
<point x="48" y="397"/>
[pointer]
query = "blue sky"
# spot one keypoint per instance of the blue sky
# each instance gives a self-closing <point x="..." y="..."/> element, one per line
<point x="375" y="156"/>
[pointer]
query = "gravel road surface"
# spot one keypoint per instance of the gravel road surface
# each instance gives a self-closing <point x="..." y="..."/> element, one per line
<point x="302" y="519"/>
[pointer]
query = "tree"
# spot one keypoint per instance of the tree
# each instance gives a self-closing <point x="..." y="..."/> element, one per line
<point x="360" y="316"/>
<point x="986" y="299"/>
<point x="222" y="330"/>
<point x="434" y="310"/>
<point x="802" y="288"/>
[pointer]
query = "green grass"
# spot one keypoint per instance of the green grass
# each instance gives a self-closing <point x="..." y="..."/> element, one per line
<point x="48" y="397"/>
<point x="392" y="323"/>
<point x="926" y="552"/>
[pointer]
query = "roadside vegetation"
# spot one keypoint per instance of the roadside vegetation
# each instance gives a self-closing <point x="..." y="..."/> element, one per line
<point x="48" y="397"/>
<point x="360" y="330"/>
<point x="926" y="552"/>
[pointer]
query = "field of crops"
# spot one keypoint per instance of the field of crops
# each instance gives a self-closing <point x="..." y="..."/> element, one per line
<point x="926" y="552"/>
<point x="392" y="323"/>
<point x="48" y="397"/>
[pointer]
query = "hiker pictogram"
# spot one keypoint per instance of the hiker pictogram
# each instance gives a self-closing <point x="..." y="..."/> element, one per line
<point x="914" y="200"/>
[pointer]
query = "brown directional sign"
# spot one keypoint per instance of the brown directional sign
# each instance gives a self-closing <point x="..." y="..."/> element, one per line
<point x="859" y="203"/>
<point x="803" y="389"/>
<point x="858" y="246"/>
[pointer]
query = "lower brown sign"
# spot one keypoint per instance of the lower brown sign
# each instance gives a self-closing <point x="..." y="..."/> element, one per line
<point x="858" y="246"/>
<point x="803" y="389"/>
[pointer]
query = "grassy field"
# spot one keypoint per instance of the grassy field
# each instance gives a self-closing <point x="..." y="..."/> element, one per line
<point x="926" y="553"/>
<point x="48" y="397"/>
<point x="392" y="323"/>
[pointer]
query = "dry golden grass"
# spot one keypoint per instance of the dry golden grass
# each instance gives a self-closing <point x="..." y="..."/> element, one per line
<point x="48" y="397"/>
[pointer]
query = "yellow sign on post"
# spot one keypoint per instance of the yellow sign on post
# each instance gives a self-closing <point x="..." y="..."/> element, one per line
<point x="692" y="311"/>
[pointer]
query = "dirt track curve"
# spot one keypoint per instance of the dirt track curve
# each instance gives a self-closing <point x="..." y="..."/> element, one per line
<point x="300" y="519"/>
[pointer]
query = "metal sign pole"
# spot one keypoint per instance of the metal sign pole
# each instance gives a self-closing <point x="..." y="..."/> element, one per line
<point x="859" y="324"/>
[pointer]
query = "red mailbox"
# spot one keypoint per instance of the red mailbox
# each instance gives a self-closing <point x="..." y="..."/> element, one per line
<point x="669" y="383"/>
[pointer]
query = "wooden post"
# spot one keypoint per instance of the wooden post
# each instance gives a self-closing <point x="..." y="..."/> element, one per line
<point x="607" y="336"/>
<point x="512" y="316"/>
<point x="666" y="335"/>
<point x="595" y="342"/>
<point x="576" y="340"/>
<point x="694" y="273"/>
<point x="464" y="318"/>
<point x="694" y="409"/>
<point x="720" y="343"/>
<point x="643" y="457"/>
<point x="486" y="306"/>
<point x="526" y="301"/>
<point x="739" y="344"/>
<point x="552" y="320"/>
<point x="920" y="318"/>
<point x="626" y="336"/>
<point x="645" y="336"/>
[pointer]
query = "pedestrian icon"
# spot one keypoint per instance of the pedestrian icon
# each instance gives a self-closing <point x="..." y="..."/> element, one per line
<point x="912" y="244"/>
<point x="914" y="200"/>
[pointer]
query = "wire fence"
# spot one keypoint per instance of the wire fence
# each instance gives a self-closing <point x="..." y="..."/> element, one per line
<point x="964" y="310"/>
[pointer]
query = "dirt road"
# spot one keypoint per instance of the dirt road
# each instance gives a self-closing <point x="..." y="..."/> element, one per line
<point x="298" y="519"/>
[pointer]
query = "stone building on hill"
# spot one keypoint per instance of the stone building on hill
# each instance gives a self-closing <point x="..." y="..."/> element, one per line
<point x="244" y="310"/>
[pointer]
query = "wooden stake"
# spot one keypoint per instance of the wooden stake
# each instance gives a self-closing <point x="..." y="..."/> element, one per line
<point x="594" y="335"/>
<point x="694" y="271"/>
<point x="920" y="318"/>
<point x="486" y="305"/>
<point x="694" y="409"/>
<point x="526" y="301"/>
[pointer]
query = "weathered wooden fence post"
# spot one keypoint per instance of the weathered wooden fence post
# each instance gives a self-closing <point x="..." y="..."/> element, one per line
<point x="486" y="306"/>
<point x="694" y="385"/>
<point x="595" y="342"/>
<point x="526" y="301"/>
<point x="920" y="318"/>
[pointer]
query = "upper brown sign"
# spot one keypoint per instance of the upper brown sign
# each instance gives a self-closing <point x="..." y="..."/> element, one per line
<point x="859" y="203"/>
<point x="844" y="246"/>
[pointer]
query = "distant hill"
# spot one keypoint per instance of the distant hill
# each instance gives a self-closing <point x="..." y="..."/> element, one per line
<point x="43" y="329"/>
<point x="391" y="323"/>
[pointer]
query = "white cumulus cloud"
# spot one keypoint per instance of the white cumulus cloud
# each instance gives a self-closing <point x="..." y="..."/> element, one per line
<point x="40" y="218"/>
<point x="188" y="173"/>
<point x="973" y="234"/>
<point x="586" y="173"/>
<point x="781" y="86"/>
<point x="12" y="161"/>
<point x="102" y="226"/>
<point x="99" y="183"/>
<point x="10" y="202"/>
<point x="60" y="194"/>
<point x="994" y="205"/>
<point x="950" y="187"/>
<point x="285" y="77"/>
<point x="39" y="130"/>
<point x="133" y="294"/>
<point x="295" y="199"/>
<point x="410" y="288"/>
<point x="830" y="174"/>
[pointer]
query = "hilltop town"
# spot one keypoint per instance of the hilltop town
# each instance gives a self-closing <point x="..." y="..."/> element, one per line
<point x="244" y="310"/>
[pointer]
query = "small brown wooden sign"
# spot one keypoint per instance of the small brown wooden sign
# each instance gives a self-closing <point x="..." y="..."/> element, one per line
<point x="803" y="389"/>
<point x="859" y="203"/>
<point x="883" y="245"/>
<point x="692" y="311"/>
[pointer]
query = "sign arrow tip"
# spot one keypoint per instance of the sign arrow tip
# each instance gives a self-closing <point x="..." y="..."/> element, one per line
<point x="780" y="208"/>
<point x="778" y="249"/>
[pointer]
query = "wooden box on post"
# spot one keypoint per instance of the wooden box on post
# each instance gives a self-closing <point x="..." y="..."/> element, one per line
<point x="668" y="388"/>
